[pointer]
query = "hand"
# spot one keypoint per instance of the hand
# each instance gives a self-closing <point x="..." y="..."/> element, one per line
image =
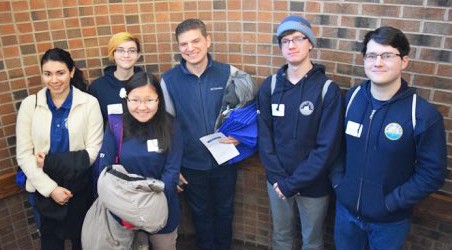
<point x="40" y="157"/>
<point x="61" y="195"/>
<point x="230" y="140"/>
<point x="278" y="191"/>
<point x="182" y="182"/>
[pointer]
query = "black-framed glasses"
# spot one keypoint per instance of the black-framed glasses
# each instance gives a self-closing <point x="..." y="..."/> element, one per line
<point x="386" y="56"/>
<point x="296" y="40"/>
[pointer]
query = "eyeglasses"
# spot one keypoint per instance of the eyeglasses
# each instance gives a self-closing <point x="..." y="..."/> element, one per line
<point x="386" y="57"/>
<point x="137" y="102"/>
<point x="129" y="51"/>
<point x="296" y="40"/>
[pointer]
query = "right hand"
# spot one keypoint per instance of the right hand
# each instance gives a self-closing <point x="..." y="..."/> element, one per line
<point x="61" y="195"/>
<point x="182" y="182"/>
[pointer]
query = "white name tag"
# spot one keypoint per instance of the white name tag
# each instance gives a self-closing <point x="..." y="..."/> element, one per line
<point x="354" y="129"/>
<point x="278" y="109"/>
<point x="114" y="109"/>
<point x="153" y="145"/>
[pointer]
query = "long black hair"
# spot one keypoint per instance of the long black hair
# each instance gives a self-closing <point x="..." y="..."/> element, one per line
<point x="61" y="55"/>
<point x="160" y="124"/>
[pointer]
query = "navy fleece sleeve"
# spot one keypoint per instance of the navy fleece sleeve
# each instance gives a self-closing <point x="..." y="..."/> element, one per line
<point x="267" y="153"/>
<point x="327" y="147"/>
<point x="170" y="175"/>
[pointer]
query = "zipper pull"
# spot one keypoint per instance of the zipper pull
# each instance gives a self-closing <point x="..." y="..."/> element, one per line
<point x="372" y="114"/>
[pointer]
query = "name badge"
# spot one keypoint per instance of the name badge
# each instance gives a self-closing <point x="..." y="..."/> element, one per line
<point x="354" y="129"/>
<point x="153" y="145"/>
<point x="114" y="109"/>
<point x="278" y="109"/>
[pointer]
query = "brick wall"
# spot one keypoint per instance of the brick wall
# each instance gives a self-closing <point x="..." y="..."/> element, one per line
<point x="243" y="35"/>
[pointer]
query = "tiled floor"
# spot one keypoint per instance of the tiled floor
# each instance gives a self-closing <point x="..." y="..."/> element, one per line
<point x="187" y="242"/>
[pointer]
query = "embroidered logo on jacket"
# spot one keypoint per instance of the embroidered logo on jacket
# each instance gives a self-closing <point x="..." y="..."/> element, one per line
<point x="216" y="88"/>
<point x="306" y="108"/>
<point x="393" y="131"/>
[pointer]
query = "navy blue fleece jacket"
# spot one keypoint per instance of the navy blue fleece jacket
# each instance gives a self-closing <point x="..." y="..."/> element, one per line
<point x="389" y="167"/>
<point x="297" y="149"/>
<point x="195" y="102"/>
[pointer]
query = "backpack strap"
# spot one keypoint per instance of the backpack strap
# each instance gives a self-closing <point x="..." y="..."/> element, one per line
<point x="273" y="84"/>
<point x="413" y="111"/>
<point x="351" y="99"/>
<point x="116" y="126"/>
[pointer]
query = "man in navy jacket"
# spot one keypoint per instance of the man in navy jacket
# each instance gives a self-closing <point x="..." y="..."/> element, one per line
<point x="300" y="125"/>
<point x="395" y="150"/>
<point x="193" y="93"/>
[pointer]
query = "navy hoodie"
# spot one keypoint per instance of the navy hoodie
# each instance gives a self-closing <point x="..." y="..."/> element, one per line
<point x="298" y="148"/>
<point x="389" y="167"/>
<point x="106" y="89"/>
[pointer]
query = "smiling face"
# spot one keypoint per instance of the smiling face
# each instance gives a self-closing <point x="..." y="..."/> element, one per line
<point x="126" y="55"/>
<point x="384" y="71"/>
<point x="295" y="49"/>
<point x="193" y="47"/>
<point x="57" y="77"/>
<point x="142" y="103"/>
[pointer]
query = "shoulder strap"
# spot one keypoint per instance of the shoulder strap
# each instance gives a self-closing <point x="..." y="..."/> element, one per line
<point x="273" y="84"/>
<point x="116" y="126"/>
<point x="413" y="111"/>
<point x="351" y="99"/>
<point x="36" y="101"/>
<point x="326" y="85"/>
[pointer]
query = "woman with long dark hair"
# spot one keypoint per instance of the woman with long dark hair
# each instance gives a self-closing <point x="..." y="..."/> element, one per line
<point x="59" y="133"/>
<point x="150" y="147"/>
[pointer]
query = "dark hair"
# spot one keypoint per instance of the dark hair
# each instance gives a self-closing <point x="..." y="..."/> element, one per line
<point x="285" y="33"/>
<point x="190" y="24"/>
<point x="388" y="36"/>
<point x="160" y="124"/>
<point x="61" y="55"/>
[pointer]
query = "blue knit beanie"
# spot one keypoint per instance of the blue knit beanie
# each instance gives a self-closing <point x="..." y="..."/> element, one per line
<point x="297" y="23"/>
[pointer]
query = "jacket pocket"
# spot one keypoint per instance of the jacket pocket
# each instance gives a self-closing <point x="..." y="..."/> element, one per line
<point x="347" y="192"/>
<point x="373" y="204"/>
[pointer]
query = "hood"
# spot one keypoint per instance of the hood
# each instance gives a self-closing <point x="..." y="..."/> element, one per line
<point x="109" y="70"/>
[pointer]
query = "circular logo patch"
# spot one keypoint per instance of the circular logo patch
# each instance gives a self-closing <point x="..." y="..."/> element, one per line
<point x="306" y="108"/>
<point x="393" y="131"/>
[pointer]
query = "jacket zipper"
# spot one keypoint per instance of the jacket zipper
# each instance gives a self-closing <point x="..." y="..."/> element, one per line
<point x="358" y="203"/>
<point x="202" y="105"/>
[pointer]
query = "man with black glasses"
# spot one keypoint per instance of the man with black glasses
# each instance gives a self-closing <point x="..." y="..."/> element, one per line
<point x="395" y="150"/>
<point x="300" y="125"/>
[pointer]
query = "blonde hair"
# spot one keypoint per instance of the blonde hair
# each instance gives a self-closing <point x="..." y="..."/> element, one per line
<point x="118" y="39"/>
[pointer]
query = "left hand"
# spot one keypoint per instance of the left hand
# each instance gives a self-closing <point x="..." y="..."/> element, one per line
<point x="230" y="140"/>
<point x="40" y="157"/>
<point x="278" y="191"/>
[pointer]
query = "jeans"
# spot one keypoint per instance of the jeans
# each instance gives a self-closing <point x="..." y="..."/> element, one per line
<point x="351" y="233"/>
<point x="210" y="196"/>
<point x="312" y="212"/>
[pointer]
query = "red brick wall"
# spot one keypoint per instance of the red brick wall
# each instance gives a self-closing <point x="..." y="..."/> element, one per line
<point x="243" y="35"/>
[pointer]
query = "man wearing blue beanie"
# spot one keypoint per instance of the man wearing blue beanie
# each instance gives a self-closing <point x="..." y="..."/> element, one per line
<point x="300" y="125"/>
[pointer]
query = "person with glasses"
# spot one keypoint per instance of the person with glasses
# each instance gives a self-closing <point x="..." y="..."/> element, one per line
<point x="124" y="50"/>
<point x="151" y="147"/>
<point x="300" y="124"/>
<point x="395" y="150"/>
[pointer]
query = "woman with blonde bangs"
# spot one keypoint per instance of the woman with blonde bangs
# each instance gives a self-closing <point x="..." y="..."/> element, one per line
<point x="124" y="50"/>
